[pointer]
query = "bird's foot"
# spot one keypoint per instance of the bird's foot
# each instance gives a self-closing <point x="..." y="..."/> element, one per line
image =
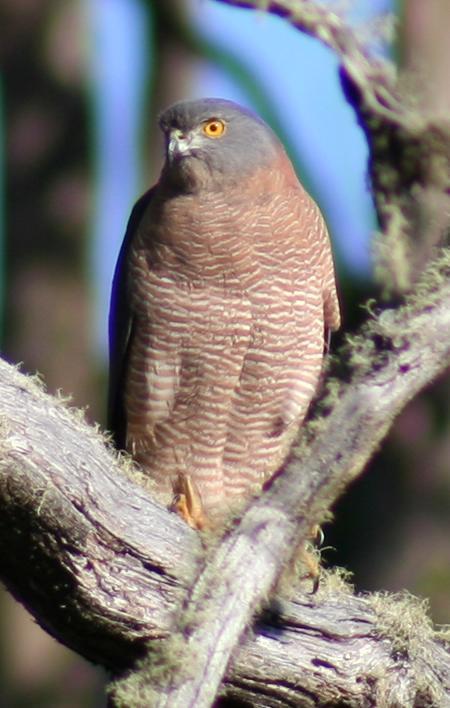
<point x="310" y="556"/>
<point x="310" y="561"/>
<point x="187" y="502"/>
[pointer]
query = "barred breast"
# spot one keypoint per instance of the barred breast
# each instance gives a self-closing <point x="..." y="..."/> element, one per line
<point x="231" y="296"/>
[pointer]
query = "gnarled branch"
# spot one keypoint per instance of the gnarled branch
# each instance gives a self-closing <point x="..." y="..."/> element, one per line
<point x="104" y="568"/>
<point x="107" y="570"/>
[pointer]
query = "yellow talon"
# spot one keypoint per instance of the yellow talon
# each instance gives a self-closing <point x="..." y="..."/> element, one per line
<point x="187" y="502"/>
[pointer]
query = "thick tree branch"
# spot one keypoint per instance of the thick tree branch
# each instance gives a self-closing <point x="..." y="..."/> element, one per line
<point x="103" y="567"/>
<point x="106" y="569"/>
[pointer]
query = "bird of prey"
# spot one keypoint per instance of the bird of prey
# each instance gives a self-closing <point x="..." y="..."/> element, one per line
<point x="223" y="295"/>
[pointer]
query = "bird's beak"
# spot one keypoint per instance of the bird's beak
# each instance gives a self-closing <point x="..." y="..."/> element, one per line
<point x="179" y="144"/>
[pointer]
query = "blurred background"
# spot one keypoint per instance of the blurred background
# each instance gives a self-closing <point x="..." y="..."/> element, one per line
<point x="81" y="84"/>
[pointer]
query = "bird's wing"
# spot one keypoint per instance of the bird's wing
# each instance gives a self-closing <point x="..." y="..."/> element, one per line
<point x="331" y="309"/>
<point x="121" y="326"/>
<point x="305" y="206"/>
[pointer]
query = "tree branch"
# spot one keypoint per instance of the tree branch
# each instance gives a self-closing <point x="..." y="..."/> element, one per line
<point x="106" y="569"/>
<point x="103" y="567"/>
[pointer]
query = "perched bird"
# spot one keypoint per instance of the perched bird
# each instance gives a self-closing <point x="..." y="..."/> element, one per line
<point x="223" y="294"/>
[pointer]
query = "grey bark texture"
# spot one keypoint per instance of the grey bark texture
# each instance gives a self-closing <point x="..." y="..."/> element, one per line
<point x="117" y="577"/>
<point x="181" y="618"/>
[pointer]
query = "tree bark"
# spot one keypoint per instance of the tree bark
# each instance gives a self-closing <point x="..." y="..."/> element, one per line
<point x="104" y="568"/>
<point x="115" y="576"/>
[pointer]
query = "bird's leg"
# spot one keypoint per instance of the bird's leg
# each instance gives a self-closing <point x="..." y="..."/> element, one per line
<point x="310" y="559"/>
<point x="187" y="502"/>
<point x="304" y="563"/>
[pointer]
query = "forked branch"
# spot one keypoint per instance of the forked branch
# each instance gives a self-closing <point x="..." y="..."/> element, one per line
<point x="104" y="568"/>
<point x="118" y="578"/>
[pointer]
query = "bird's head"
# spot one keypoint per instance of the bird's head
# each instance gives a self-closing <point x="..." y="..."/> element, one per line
<point x="212" y="142"/>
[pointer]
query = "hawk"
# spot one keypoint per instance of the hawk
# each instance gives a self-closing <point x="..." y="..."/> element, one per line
<point x="222" y="299"/>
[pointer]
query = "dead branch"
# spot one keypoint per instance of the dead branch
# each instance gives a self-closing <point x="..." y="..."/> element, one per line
<point x="104" y="568"/>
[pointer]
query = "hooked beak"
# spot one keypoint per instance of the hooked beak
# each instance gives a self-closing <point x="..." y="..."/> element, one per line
<point x="179" y="144"/>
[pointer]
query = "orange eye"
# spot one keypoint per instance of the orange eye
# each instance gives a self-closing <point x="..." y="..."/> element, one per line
<point x="214" y="128"/>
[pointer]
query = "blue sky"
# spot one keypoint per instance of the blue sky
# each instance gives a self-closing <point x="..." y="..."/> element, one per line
<point x="299" y="74"/>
